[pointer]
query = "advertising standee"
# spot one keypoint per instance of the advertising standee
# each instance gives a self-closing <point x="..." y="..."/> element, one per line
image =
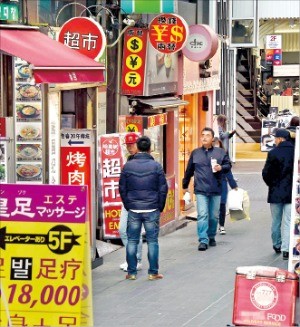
<point x="44" y="271"/>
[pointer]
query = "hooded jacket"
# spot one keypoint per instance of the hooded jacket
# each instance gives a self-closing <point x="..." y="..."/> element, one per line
<point x="278" y="173"/>
<point x="143" y="184"/>
<point x="199" y="165"/>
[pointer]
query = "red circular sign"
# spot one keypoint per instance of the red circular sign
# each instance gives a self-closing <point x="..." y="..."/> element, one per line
<point x="84" y="35"/>
<point x="168" y="33"/>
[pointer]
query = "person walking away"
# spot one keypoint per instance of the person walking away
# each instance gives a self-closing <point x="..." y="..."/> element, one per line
<point x="207" y="164"/>
<point x="268" y="90"/>
<point x="226" y="179"/>
<point x="143" y="188"/>
<point x="130" y="142"/>
<point x="223" y="135"/>
<point x="278" y="175"/>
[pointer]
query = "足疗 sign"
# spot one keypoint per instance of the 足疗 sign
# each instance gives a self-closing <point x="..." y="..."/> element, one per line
<point x="45" y="270"/>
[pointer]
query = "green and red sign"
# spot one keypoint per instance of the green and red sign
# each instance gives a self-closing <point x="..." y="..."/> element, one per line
<point x="148" y="7"/>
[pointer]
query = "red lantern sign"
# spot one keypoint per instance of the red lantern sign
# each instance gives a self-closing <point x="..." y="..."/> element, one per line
<point x="84" y="35"/>
<point x="168" y="33"/>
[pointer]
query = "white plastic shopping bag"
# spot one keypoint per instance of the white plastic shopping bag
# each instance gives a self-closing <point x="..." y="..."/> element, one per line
<point x="235" y="199"/>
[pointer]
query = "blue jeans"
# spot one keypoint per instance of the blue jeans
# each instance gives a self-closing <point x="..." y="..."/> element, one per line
<point x="281" y="215"/>
<point x="150" y="220"/>
<point x="123" y="233"/>
<point x="207" y="216"/>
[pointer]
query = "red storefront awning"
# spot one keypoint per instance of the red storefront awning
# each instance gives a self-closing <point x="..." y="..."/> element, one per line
<point x="51" y="61"/>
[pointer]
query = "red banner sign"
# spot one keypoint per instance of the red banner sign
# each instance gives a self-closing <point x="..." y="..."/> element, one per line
<point x="83" y="35"/>
<point x="168" y="33"/>
<point x="157" y="120"/>
<point x="111" y="163"/>
<point x="134" y="60"/>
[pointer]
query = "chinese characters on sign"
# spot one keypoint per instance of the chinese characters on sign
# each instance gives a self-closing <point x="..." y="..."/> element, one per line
<point x="110" y="165"/>
<point x="83" y="35"/>
<point x="43" y="274"/>
<point x="134" y="60"/>
<point x="168" y="33"/>
<point x="77" y="164"/>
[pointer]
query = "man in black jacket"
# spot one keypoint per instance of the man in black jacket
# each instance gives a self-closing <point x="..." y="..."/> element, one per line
<point x="143" y="188"/>
<point x="207" y="164"/>
<point x="278" y="175"/>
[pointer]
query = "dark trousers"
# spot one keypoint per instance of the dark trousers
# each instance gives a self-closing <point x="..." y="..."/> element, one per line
<point x="222" y="214"/>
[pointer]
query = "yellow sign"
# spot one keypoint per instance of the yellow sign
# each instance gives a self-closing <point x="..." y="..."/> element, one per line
<point x="45" y="258"/>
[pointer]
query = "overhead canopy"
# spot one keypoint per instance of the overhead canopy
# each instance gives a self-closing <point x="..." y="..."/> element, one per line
<point x="51" y="61"/>
<point x="158" y="103"/>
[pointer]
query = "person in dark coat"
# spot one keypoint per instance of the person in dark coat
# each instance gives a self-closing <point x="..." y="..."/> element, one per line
<point x="278" y="175"/>
<point x="143" y="189"/>
<point x="227" y="178"/>
<point x="207" y="164"/>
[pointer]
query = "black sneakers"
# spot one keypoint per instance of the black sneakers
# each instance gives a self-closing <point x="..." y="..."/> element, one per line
<point x="202" y="247"/>
<point x="212" y="242"/>
<point x="277" y="250"/>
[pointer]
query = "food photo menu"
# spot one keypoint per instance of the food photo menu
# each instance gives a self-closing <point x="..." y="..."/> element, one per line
<point x="28" y="122"/>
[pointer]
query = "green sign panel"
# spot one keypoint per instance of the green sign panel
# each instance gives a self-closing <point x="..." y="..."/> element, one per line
<point x="9" y="12"/>
<point x="148" y="6"/>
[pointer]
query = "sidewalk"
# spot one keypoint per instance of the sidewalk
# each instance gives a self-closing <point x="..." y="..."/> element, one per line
<point x="198" y="287"/>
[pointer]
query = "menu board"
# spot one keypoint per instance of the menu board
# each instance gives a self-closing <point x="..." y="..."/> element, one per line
<point x="294" y="257"/>
<point x="28" y="122"/>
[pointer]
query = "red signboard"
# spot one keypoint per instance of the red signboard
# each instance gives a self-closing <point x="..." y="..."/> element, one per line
<point x="134" y="60"/>
<point x="168" y="33"/>
<point x="83" y="35"/>
<point x="2" y="127"/>
<point x="110" y="163"/>
<point x="157" y="120"/>
<point x="77" y="165"/>
<point x="131" y="124"/>
<point x="137" y="123"/>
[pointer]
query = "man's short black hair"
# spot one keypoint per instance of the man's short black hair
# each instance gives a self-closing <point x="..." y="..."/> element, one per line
<point x="143" y="144"/>
<point x="208" y="129"/>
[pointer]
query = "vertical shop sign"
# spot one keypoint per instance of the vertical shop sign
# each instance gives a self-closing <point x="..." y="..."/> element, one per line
<point x="168" y="33"/>
<point x="84" y="35"/>
<point x="77" y="165"/>
<point x="134" y="60"/>
<point x="44" y="281"/>
<point x="149" y="7"/>
<point x="273" y="50"/>
<point x="110" y="164"/>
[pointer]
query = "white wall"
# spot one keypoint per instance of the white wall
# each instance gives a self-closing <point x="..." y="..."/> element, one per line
<point x="278" y="8"/>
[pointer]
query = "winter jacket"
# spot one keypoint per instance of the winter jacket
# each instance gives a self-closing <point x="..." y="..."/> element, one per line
<point x="278" y="173"/>
<point x="143" y="184"/>
<point x="199" y="165"/>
